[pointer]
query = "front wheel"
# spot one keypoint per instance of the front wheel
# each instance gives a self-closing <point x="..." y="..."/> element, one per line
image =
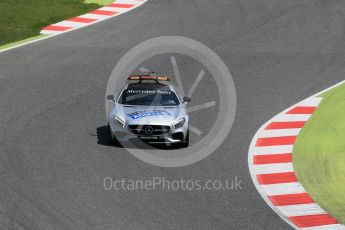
<point x="185" y="143"/>
<point x="112" y="138"/>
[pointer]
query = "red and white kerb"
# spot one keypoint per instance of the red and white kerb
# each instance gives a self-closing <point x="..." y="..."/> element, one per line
<point x="117" y="8"/>
<point x="270" y="164"/>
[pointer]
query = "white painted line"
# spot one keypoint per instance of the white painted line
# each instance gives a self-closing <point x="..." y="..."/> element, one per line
<point x="301" y="210"/>
<point x="280" y="132"/>
<point x="271" y="150"/>
<point x="70" y="24"/>
<point x="291" y="117"/>
<point x="115" y="9"/>
<point x="314" y="101"/>
<point x="50" y="32"/>
<point x="135" y="2"/>
<point x="273" y="168"/>
<point x="105" y="8"/>
<point x="283" y="189"/>
<point x="327" y="227"/>
<point x="118" y="9"/>
<point x="95" y="16"/>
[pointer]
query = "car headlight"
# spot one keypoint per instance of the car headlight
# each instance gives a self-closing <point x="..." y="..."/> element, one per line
<point x="119" y="122"/>
<point x="179" y="123"/>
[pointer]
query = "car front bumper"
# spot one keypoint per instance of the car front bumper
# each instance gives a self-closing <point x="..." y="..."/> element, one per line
<point x="123" y="134"/>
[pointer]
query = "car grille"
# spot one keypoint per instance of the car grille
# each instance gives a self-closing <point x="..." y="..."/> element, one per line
<point x="149" y="130"/>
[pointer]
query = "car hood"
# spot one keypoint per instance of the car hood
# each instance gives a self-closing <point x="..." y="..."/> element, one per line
<point x="149" y="114"/>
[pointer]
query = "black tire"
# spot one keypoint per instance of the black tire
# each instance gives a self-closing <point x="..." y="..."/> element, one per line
<point x="109" y="135"/>
<point x="185" y="143"/>
<point x="112" y="138"/>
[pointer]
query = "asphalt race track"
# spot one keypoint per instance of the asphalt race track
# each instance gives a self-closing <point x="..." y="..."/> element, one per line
<point x="53" y="152"/>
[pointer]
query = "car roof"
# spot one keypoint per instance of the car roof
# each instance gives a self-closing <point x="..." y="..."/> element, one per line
<point x="148" y="86"/>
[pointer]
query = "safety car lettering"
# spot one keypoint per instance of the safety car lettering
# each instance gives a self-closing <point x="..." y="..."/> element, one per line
<point x="142" y="114"/>
<point x="138" y="91"/>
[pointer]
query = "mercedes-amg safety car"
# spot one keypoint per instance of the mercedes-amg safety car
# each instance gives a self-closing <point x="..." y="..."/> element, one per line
<point x="150" y="109"/>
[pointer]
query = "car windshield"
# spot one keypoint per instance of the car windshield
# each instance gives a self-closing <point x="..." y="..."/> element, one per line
<point x="149" y="97"/>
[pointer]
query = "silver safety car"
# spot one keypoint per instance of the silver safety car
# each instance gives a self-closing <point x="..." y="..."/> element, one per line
<point x="150" y="109"/>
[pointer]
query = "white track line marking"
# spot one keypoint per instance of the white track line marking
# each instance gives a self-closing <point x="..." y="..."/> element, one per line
<point x="301" y="209"/>
<point x="291" y="117"/>
<point x="95" y="16"/>
<point x="273" y="168"/>
<point x="270" y="150"/>
<point x="283" y="189"/>
<point x="113" y="9"/>
<point x="70" y="24"/>
<point x="314" y="101"/>
<point x="280" y="132"/>
<point x="327" y="227"/>
<point x="47" y="32"/>
<point x="117" y="9"/>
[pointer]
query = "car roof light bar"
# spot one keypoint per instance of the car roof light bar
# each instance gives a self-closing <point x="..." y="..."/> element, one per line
<point x="148" y="77"/>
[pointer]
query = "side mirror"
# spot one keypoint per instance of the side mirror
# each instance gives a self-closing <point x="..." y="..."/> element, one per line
<point x="186" y="99"/>
<point x="111" y="97"/>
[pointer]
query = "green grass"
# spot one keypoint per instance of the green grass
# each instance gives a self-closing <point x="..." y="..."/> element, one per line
<point x="22" y="19"/>
<point x="319" y="154"/>
<point x="100" y="2"/>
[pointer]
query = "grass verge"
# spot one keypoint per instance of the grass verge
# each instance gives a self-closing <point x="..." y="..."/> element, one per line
<point x="23" y="19"/>
<point x="99" y="2"/>
<point x="319" y="154"/>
